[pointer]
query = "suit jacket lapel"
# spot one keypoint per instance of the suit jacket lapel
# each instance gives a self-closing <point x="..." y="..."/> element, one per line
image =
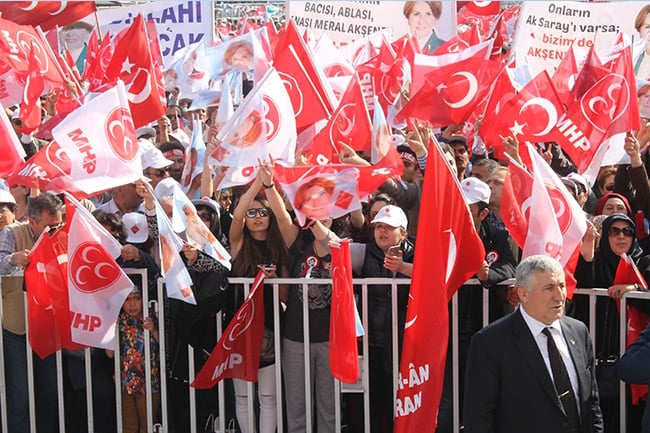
<point x="578" y="355"/>
<point x="531" y="354"/>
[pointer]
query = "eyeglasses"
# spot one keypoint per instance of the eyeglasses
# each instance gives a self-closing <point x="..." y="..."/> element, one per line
<point x="225" y="198"/>
<point x="252" y="212"/>
<point x="609" y="187"/>
<point x="156" y="173"/>
<point x="615" y="231"/>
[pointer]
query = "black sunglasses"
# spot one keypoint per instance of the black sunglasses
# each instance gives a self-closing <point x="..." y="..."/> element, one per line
<point x="615" y="231"/>
<point x="252" y="212"/>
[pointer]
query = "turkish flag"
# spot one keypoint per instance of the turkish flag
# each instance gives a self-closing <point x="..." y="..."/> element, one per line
<point x="177" y="280"/>
<point x="350" y="124"/>
<point x="132" y="63"/>
<point x="100" y="142"/>
<point x="97" y="286"/>
<point x="308" y="106"/>
<point x="383" y="76"/>
<point x="424" y="64"/>
<point x="46" y="14"/>
<point x="13" y="153"/>
<point x="16" y="43"/>
<point x="48" y="311"/>
<point x="30" y="106"/>
<point x="237" y="353"/>
<point x="459" y="42"/>
<point x="628" y="273"/>
<point x="344" y="353"/>
<point x="455" y="89"/>
<point x="531" y="115"/>
<point x="446" y="234"/>
<point x="482" y="7"/>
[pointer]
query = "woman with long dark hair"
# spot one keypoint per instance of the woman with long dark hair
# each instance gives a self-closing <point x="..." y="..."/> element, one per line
<point x="256" y="243"/>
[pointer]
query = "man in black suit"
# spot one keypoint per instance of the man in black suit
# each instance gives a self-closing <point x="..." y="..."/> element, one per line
<point x="533" y="370"/>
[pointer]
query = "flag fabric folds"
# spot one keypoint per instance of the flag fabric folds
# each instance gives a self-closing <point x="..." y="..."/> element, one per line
<point x="237" y="353"/>
<point x="438" y="271"/>
<point x="344" y="353"/>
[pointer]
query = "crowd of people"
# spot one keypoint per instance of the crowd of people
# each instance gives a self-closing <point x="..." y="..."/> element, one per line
<point x="503" y="368"/>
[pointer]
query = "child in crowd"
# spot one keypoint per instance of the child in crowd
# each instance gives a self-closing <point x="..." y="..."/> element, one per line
<point x="132" y="325"/>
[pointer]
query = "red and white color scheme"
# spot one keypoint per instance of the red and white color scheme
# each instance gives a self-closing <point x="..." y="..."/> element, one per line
<point x="132" y="63"/>
<point x="16" y="43"/>
<point x="344" y="353"/>
<point x="264" y="124"/>
<point x="46" y="14"/>
<point x="172" y="268"/>
<point x="350" y="124"/>
<point x="48" y="306"/>
<point x="13" y="152"/>
<point x="628" y="273"/>
<point x="237" y="353"/>
<point x="458" y="254"/>
<point x="99" y="140"/>
<point x="97" y="286"/>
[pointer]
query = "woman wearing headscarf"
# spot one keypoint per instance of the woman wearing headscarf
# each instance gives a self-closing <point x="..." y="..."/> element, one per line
<point x="597" y="268"/>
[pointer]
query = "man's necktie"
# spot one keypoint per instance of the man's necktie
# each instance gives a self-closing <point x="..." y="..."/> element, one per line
<point x="562" y="383"/>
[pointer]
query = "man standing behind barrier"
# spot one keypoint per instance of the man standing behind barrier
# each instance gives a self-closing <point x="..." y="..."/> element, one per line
<point x="533" y="370"/>
<point x="16" y="241"/>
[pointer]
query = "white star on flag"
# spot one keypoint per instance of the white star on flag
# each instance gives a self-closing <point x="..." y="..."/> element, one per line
<point x="441" y="87"/>
<point x="126" y="66"/>
<point x="517" y="128"/>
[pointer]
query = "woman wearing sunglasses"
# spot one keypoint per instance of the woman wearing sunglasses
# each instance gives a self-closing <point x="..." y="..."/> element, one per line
<point x="256" y="243"/>
<point x="597" y="268"/>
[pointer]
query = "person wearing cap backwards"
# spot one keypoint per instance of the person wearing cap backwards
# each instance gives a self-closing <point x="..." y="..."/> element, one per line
<point x="499" y="265"/>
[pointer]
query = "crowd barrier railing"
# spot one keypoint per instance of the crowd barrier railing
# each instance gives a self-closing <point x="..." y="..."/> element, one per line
<point x="361" y="387"/>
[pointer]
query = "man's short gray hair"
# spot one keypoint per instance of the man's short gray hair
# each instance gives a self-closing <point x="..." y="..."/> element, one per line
<point x="532" y="264"/>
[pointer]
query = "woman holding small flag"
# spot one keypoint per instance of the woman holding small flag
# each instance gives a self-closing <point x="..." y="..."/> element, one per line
<point x="256" y="243"/>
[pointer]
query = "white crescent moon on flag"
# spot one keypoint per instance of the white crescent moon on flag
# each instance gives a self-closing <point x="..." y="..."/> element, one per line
<point x="550" y="110"/>
<point x="98" y="268"/>
<point x="471" y="92"/>
<point x="482" y="4"/>
<point x="84" y="253"/>
<point x="77" y="278"/>
<point x="31" y="6"/>
<point x="350" y="123"/>
<point x="143" y="95"/>
<point x="451" y="257"/>
<point x="63" y="6"/>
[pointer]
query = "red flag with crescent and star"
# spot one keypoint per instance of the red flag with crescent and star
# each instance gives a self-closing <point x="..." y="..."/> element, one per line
<point x="46" y="14"/>
<point x="438" y="271"/>
<point x="132" y="63"/>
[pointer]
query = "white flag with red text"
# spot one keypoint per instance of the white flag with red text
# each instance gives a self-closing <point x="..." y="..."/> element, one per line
<point x="100" y="142"/>
<point x="97" y="286"/>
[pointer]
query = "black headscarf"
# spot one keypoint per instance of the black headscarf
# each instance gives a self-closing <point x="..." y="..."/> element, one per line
<point x="606" y="262"/>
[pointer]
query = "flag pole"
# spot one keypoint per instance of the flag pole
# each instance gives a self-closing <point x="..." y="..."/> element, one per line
<point x="99" y="27"/>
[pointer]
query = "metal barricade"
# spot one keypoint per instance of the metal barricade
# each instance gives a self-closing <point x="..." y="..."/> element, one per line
<point x="360" y="388"/>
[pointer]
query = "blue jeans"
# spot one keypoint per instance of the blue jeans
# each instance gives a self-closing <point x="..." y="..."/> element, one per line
<point x="15" y="358"/>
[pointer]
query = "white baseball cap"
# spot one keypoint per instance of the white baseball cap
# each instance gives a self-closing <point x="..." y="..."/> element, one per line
<point x="135" y="224"/>
<point x="475" y="190"/>
<point x="392" y="215"/>
<point x="6" y="197"/>
<point x="151" y="156"/>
